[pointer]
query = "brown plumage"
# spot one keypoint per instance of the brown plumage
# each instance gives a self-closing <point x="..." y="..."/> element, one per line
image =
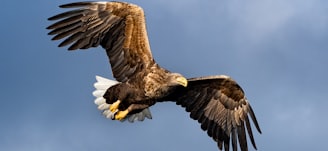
<point x="217" y="102"/>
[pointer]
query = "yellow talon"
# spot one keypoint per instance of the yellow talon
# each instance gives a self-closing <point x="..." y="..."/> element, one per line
<point x="114" y="106"/>
<point x="120" y="115"/>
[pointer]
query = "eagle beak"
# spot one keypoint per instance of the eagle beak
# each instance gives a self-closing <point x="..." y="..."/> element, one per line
<point x="182" y="81"/>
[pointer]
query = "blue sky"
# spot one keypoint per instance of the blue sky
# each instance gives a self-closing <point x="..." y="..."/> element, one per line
<point x="275" y="49"/>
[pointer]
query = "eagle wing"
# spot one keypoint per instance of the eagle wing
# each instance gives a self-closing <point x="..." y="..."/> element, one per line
<point x="117" y="26"/>
<point x="218" y="103"/>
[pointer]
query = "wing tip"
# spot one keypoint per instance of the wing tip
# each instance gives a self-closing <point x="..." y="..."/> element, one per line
<point x="75" y="4"/>
<point x="81" y="4"/>
<point x="254" y="119"/>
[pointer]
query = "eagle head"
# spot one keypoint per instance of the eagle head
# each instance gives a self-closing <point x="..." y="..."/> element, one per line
<point x="176" y="79"/>
<point x="159" y="85"/>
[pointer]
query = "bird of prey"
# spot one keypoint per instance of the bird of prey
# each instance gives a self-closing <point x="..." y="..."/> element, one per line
<point x="217" y="102"/>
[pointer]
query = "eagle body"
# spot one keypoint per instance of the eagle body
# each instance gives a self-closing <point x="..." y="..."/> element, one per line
<point x="144" y="90"/>
<point x="217" y="102"/>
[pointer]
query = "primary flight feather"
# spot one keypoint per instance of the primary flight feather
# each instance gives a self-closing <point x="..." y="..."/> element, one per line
<point x="217" y="102"/>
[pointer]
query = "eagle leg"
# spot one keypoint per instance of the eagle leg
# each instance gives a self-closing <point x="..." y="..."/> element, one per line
<point x="120" y="115"/>
<point x="114" y="107"/>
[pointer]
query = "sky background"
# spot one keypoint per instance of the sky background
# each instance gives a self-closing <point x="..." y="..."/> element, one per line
<point x="275" y="49"/>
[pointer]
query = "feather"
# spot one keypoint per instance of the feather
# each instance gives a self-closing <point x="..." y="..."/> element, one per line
<point x="222" y="110"/>
<point x="108" y="24"/>
<point x="100" y="100"/>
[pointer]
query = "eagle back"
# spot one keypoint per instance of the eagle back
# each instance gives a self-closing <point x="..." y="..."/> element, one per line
<point x="155" y="85"/>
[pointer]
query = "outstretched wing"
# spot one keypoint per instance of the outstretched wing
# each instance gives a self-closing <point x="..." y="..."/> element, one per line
<point x="118" y="27"/>
<point x="219" y="105"/>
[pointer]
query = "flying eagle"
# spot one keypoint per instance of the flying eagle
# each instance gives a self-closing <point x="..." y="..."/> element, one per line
<point x="217" y="102"/>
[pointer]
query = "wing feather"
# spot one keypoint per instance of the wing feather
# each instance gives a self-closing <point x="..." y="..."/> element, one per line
<point x="117" y="26"/>
<point x="71" y="20"/>
<point x="65" y="15"/>
<point x="220" y="106"/>
<point x="242" y="136"/>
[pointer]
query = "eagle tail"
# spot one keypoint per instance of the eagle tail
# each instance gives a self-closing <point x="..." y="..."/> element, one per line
<point x="101" y="86"/>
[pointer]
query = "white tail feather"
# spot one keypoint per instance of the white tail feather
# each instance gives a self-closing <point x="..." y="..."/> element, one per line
<point x="101" y="86"/>
<point x="98" y="93"/>
<point x="100" y="100"/>
<point x="103" y="106"/>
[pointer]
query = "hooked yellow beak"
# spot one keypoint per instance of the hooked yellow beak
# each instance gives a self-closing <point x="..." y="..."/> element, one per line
<point x="182" y="81"/>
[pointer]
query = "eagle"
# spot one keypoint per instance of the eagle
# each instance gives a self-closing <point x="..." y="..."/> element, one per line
<point x="217" y="102"/>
